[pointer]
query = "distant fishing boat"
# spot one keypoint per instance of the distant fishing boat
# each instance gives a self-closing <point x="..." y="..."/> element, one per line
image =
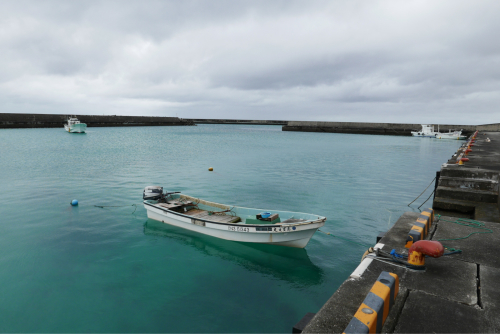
<point x="292" y="229"/>
<point x="450" y="135"/>
<point x="428" y="131"/>
<point x="73" y="125"/>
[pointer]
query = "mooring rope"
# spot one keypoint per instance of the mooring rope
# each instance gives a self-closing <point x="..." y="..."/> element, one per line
<point x="423" y="192"/>
<point x="426" y="199"/>
<point x="117" y="206"/>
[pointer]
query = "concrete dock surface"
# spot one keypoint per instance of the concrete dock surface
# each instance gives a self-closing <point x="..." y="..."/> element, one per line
<point x="456" y="293"/>
<point x="471" y="189"/>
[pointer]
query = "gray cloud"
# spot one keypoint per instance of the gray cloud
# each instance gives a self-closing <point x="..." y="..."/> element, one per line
<point x="392" y="61"/>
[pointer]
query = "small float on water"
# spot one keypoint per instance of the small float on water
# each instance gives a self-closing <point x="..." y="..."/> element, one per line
<point x="73" y="125"/>
<point x="292" y="229"/>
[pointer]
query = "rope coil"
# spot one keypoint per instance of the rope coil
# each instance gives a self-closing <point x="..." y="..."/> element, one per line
<point x="465" y="222"/>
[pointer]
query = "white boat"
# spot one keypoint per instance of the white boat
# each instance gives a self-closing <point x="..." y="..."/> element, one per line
<point x="427" y="131"/>
<point x="292" y="229"/>
<point x="450" y="135"/>
<point x="74" y="126"/>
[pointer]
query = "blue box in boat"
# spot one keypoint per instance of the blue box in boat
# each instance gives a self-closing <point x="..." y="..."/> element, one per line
<point x="265" y="214"/>
<point x="270" y="218"/>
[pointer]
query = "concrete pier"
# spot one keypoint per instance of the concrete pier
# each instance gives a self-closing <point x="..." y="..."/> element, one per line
<point x="458" y="293"/>
<point x="471" y="190"/>
<point x="11" y="121"/>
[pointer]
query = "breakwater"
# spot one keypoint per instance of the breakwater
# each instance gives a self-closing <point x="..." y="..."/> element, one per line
<point x="393" y="129"/>
<point x="12" y="121"/>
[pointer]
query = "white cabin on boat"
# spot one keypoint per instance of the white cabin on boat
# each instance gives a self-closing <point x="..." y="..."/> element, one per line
<point x="73" y="125"/>
<point x="426" y="131"/>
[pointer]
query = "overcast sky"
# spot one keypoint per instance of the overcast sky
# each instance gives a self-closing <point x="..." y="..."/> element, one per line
<point x="361" y="61"/>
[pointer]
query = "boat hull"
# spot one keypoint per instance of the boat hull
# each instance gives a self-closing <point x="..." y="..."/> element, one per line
<point x="456" y="136"/>
<point x="76" y="128"/>
<point x="414" y="134"/>
<point x="290" y="235"/>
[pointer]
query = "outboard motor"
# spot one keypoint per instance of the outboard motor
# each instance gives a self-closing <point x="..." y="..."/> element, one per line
<point x="152" y="193"/>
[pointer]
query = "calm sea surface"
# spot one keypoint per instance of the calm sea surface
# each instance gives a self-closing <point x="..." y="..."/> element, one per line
<point x="90" y="269"/>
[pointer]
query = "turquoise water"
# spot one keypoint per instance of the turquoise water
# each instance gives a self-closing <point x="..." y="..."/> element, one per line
<point x="90" y="269"/>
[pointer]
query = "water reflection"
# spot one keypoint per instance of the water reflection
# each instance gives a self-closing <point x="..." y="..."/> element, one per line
<point x="284" y="263"/>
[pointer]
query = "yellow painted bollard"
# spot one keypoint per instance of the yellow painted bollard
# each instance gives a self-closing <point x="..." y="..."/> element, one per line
<point x="373" y="311"/>
<point x="429" y="213"/>
<point x="424" y="220"/>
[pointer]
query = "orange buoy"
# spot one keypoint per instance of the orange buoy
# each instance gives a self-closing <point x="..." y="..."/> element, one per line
<point x="464" y="159"/>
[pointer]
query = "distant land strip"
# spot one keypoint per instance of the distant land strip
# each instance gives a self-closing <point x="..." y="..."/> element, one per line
<point x="236" y="121"/>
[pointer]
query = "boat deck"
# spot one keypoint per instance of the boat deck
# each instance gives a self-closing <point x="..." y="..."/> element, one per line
<point x="186" y="207"/>
<point x="201" y="214"/>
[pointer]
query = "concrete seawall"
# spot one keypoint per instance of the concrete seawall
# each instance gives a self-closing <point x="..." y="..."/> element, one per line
<point x="12" y="121"/>
<point x="395" y="129"/>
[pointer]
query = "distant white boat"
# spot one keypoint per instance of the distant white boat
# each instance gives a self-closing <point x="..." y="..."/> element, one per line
<point x="73" y="125"/>
<point x="292" y="229"/>
<point x="428" y="131"/>
<point x="450" y="135"/>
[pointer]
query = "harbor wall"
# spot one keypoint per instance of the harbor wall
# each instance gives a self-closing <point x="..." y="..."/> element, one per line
<point x="12" y="121"/>
<point x="489" y="127"/>
<point x="395" y="129"/>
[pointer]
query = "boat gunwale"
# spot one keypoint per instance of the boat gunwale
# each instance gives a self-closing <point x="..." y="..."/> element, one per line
<point x="308" y="222"/>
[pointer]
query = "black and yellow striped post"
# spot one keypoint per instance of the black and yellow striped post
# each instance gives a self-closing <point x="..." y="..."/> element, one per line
<point x="416" y="233"/>
<point x="371" y="315"/>
<point x="429" y="213"/>
<point x="420" y="228"/>
<point x="426" y="220"/>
